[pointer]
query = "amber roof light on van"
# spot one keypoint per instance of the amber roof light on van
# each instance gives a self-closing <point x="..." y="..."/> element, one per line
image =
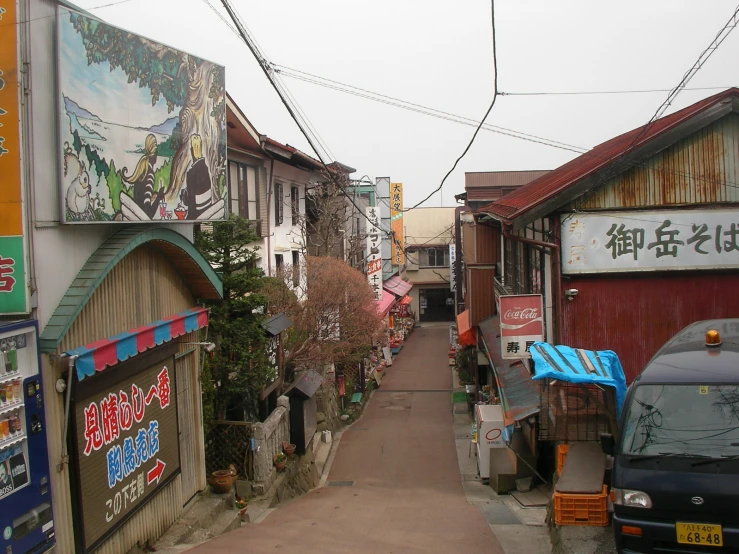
<point x="713" y="338"/>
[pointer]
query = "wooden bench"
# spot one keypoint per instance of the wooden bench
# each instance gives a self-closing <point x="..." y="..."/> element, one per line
<point x="584" y="469"/>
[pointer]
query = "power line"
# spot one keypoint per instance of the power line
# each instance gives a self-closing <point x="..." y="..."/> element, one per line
<point x="495" y="97"/>
<point x="725" y="31"/>
<point x="389" y="100"/>
<point x="594" y="92"/>
<point x="418" y="108"/>
<point x="266" y="68"/>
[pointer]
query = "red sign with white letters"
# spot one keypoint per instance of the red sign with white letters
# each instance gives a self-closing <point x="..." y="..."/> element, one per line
<point x="521" y="324"/>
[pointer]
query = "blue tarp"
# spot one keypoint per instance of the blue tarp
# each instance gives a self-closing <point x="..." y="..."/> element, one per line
<point x="614" y="373"/>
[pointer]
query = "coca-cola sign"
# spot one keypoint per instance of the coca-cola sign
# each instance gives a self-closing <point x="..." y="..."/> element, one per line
<point x="521" y="324"/>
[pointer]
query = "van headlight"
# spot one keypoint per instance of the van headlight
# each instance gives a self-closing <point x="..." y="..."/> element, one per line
<point x="635" y="499"/>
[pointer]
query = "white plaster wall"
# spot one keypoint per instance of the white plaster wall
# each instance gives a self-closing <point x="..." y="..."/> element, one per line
<point x="422" y="225"/>
<point x="58" y="251"/>
<point x="290" y="233"/>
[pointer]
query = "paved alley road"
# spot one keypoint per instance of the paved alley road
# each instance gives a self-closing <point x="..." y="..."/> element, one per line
<point x="406" y="495"/>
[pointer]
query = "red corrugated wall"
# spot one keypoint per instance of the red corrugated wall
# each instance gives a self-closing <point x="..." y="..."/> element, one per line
<point x="635" y="314"/>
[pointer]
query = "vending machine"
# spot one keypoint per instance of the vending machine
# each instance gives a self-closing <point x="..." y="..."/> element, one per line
<point x="25" y="493"/>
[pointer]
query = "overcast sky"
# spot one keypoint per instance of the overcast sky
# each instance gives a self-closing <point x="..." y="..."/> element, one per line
<point x="439" y="54"/>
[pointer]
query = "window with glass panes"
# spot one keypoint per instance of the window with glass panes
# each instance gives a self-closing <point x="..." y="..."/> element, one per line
<point x="279" y="204"/>
<point x="434" y="257"/>
<point x="294" y="204"/>
<point x="243" y="190"/>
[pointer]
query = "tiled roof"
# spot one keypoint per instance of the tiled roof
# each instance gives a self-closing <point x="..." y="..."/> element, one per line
<point x="558" y="180"/>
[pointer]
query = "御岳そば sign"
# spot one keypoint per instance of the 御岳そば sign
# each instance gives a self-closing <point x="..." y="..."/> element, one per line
<point x="650" y="241"/>
<point x="127" y="444"/>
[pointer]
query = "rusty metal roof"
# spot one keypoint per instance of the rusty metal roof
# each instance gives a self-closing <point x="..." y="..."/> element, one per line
<point x="559" y="180"/>
<point x="520" y="395"/>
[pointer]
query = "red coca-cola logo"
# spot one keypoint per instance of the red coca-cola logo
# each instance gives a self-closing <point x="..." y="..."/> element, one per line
<point x="525" y="313"/>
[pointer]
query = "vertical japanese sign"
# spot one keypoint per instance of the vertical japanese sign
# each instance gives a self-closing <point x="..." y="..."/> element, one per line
<point x="521" y="324"/>
<point x="397" y="248"/>
<point x="127" y="447"/>
<point x="13" y="290"/>
<point x="452" y="267"/>
<point x="374" y="257"/>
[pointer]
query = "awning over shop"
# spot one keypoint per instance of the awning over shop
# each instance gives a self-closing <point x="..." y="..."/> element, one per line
<point x="519" y="394"/>
<point x="580" y="366"/>
<point x="384" y="305"/>
<point x="98" y="355"/>
<point x="465" y="333"/>
<point x="397" y="286"/>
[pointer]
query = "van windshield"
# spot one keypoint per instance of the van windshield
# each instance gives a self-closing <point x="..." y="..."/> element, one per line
<point x="700" y="420"/>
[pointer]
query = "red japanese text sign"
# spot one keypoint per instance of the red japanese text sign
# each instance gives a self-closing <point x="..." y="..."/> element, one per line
<point x="127" y="444"/>
<point x="521" y="324"/>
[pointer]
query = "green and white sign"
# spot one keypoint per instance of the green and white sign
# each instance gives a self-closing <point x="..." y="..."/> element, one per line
<point x="12" y="276"/>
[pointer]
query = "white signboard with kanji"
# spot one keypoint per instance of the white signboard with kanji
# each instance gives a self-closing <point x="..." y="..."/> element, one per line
<point x="649" y="241"/>
<point x="452" y="267"/>
<point x="374" y="257"/>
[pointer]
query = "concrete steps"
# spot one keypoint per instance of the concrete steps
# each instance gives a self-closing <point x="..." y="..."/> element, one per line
<point x="209" y="515"/>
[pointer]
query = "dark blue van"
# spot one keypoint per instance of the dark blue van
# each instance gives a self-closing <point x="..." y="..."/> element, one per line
<point x="675" y="478"/>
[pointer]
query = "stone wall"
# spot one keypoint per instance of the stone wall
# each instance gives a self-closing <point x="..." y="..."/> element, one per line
<point x="269" y="437"/>
<point x="328" y="406"/>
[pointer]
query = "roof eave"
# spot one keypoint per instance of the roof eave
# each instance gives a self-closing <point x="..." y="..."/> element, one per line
<point x="524" y="216"/>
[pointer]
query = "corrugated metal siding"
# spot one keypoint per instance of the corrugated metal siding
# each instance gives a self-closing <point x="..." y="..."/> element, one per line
<point x="501" y="178"/>
<point x="635" y="314"/>
<point x="468" y="243"/>
<point x="480" y="294"/>
<point x="487" y="245"/>
<point x="561" y="178"/>
<point x="700" y="169"/>
<point x="141" y="288"/>
<point x="151" y="521"/>
<point x="192" y="455"/>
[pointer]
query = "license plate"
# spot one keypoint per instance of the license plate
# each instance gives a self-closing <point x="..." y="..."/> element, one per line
<point x="699" y="533"/>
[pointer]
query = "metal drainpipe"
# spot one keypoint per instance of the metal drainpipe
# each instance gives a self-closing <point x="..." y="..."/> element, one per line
<point x="269" y="219"/>
<point x="556" y="272"/>
<point x="458" y="298"/>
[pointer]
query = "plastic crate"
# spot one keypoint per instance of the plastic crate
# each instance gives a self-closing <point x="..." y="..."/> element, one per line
<point x="561" y="455"/>
<point x="581" y="509"/>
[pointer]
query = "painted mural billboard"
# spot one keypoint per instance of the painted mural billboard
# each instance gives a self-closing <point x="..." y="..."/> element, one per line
<point x="13" y="289"/>
<point x="142" y="126"/>
<point x="127" y="447"/>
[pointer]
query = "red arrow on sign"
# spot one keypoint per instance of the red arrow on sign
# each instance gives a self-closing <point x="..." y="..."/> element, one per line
<point x="155" y="473"/>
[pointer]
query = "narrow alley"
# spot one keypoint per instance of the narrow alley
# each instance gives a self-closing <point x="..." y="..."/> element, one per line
<point x="394" y="484"/>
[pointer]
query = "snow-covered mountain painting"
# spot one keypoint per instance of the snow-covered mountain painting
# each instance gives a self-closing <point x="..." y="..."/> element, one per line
<point x="143" y="128"/>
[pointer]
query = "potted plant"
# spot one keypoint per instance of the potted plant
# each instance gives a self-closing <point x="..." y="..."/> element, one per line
<point x="222" y="480"/>
<point x="280" y="461"/>
<point x="288" y="448"/>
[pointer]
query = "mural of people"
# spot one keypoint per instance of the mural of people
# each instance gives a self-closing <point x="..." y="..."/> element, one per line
<point x="197" y="197"/>
<point x="171" y="103"/>
<point x="142" y="179"/>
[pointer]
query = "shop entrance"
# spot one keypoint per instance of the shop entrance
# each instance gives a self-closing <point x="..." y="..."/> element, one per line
<point x="436" y="305"/>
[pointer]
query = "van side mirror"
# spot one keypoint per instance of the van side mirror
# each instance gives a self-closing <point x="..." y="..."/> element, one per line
<point x="607" y="443"/>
